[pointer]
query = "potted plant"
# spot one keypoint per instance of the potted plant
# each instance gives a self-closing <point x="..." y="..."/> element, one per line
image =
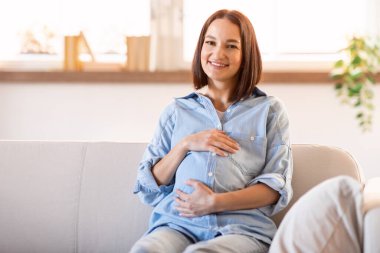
<point x="354" y="77"/>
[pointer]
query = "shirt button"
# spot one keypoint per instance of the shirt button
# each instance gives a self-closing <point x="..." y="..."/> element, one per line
<point x="213" y="154"/>
<point x="219" y="126"/>
<point x="252" y="138"/>
<point x="210" y="174"/>
<point x="228" y="110"/>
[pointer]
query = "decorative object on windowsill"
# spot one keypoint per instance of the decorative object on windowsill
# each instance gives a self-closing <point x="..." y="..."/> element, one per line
<point x="38" y="40"/>
<point x="354" y="77"/>
<point x="138" y="53"/>
<point x="77" y="51"/>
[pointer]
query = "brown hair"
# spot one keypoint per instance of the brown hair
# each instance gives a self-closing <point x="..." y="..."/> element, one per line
<point x="251" y="66"/>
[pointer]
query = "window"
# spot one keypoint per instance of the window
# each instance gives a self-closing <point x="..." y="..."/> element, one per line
<point x="286" y="29"/>
<point x="34" y="29"/>
<point x="295" y="28"/>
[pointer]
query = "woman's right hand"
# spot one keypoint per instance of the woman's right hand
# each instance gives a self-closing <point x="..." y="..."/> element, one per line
<point x="212" y="140"/>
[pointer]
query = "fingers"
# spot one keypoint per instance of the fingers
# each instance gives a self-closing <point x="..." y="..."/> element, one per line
<point x="197" y="203"/>
<point x="221" y="144"/>
<point x="193" y="183"/>
<point x="226" y="146"/>
<point x="215" y="141"/>
<point x="185" y="212"/>
<point x="181" y="195"/>
<point x="183" y="207"/>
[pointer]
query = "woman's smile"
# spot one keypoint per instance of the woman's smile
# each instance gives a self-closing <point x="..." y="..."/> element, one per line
<point x="218" y="65"/>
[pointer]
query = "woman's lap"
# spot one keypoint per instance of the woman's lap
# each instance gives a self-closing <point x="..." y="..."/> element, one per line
<point x="163" y="239"/>
<point x="169" y="240"/>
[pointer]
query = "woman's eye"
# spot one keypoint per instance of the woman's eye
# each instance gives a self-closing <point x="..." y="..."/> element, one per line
<point x="232" y="46"/>
<point x="211" y="43"/>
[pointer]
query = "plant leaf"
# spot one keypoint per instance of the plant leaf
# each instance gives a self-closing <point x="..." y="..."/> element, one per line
<point x="356" y="61"/>
<point x="338" y="86"/>
<point x="339" y="64"/>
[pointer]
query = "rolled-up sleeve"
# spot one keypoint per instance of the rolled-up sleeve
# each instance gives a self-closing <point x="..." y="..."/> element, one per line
<point x="146" y="186"/>
<point x="278" y="169"/>
<point x="277" y="175"/>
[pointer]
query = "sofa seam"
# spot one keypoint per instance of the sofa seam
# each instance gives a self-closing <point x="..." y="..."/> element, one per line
<point x="84" y="150"/>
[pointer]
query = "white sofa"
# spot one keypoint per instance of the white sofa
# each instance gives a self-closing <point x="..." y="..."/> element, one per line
<point x="77" y="196"/>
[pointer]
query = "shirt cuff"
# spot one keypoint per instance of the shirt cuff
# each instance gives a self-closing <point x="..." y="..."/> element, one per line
<point x="146" y="186"/>
<point x="278" y="183"/>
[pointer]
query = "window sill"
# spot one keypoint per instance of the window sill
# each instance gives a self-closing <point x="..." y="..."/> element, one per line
<point x="175" y="77"/>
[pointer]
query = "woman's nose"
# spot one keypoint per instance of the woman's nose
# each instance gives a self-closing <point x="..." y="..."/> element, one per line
<point x="218" y="51"/>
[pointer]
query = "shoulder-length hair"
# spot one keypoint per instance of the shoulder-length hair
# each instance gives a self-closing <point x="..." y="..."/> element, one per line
<point x="251" y="66"/>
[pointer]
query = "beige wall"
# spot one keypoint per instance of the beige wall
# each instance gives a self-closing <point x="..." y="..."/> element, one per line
<point x="120" y="112"/>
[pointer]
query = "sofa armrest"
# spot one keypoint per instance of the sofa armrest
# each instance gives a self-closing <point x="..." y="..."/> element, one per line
<point x="371" y="208"/>
<point x="371" y="194"/>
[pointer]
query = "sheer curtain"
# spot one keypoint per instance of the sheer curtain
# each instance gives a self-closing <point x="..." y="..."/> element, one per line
<point x="166" y="35"/>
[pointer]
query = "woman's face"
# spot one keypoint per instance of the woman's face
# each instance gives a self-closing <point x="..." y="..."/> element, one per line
<point x="221" y="53"/>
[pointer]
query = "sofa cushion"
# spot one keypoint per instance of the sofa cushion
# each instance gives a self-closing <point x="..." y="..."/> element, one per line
<point x="39" y="190"/>
<point x="111" y="218"/>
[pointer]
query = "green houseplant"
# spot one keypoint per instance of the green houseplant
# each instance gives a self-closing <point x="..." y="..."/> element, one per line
<point x="354" y="77"/>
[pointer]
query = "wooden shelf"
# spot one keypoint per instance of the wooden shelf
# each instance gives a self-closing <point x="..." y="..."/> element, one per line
<point x="175" y="77"/>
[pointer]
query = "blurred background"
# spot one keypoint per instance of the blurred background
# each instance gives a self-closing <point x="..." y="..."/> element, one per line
<point x="298" y="39"/>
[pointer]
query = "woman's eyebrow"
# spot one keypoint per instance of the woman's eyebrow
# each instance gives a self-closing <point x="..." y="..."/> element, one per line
<point x="233" y="41"/>
<point x="229" y="40"/>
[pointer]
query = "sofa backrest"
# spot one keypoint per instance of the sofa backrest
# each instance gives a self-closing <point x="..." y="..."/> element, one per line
<point x="69" y="197"/>
<point x="77" y="196"/>
<point x="316" y="163"/>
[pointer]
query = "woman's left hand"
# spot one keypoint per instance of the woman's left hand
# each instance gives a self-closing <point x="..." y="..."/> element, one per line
<point x="199" y="202"/>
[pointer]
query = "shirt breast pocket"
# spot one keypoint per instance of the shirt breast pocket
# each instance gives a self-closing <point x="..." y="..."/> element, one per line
<point x="250" y="158"/>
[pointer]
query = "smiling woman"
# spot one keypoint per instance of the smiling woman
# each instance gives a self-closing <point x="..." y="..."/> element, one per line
<point x="219" y="163"/>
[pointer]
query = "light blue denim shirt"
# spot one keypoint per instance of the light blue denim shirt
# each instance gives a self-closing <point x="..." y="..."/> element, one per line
<point x="260" y="125"/>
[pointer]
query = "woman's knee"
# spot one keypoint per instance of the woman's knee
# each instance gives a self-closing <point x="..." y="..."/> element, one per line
<point x="161" y="240"/>
<point x="139" y="247"/>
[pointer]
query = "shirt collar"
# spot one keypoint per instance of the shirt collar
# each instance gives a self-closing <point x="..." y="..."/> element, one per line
<point x="259" y="93"/>
<point x="191" y="95"/>
<point x="256" y="93"/>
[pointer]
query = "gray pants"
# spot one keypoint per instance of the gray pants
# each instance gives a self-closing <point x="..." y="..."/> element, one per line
<point x="167" y="240"/>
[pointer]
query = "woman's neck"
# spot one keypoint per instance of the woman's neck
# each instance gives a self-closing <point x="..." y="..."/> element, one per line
<point x="220" y="97"/>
